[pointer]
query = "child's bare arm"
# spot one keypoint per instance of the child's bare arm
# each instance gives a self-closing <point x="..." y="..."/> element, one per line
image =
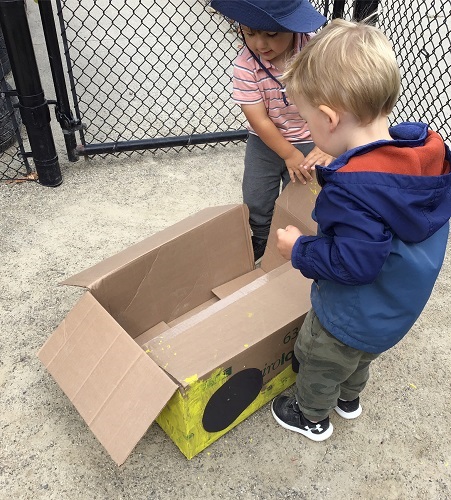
<point x="259" y="120"/>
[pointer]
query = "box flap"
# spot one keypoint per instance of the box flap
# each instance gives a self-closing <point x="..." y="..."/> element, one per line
<point x="293" y="207"/>
<point x="174" y="271"/>
<point x="160" y="341"/>
<point x="114" y="385"/>
<point x="234" y="285"/>
<point x="88" y="277"/>
<point x="158" y="329"/>
<point x="232" y="325"/>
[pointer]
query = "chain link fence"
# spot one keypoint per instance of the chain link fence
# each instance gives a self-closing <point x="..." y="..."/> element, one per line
<point x="144" y="69"/>
<point x="147" y="69"/>
<point x="420" y="32"/>
<point x="13" y="161"/>
<point x="158" y="70"/>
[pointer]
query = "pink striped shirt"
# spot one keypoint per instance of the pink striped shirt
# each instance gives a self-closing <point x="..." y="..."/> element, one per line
<point x="251" y="85"/>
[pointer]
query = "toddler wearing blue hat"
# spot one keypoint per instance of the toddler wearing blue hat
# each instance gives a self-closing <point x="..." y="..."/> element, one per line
<point x="279" y="146"/>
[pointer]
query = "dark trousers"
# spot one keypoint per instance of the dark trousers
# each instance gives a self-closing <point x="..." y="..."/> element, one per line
<point x="328" y="369"/>
<point x="265" y="174"/>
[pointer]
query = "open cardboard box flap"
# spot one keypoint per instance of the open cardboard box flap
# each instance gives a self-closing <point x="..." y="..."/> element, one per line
<point x="111" y="381"/>
<point x="174" y="271"/>
<point x="194" y="348"/>
<point x="293" y="207"/>
<point x="91" y="277"/>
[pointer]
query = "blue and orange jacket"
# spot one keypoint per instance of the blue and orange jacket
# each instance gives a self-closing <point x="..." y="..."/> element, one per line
<point x="383" y="220"/>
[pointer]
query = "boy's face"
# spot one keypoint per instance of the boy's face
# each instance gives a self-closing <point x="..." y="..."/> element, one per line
<point x="326" y="138"/>
<point x="272" y="46"/>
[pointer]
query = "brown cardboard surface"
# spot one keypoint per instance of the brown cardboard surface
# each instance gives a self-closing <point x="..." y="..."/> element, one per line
<point x="177" y="328"/>
<point x="88" y="278"/>
<point x="193" y="312"/>
<point x="219" y="337"/>
<point x="172" y="309"/>
<point x="234" y="285"/>
<point x="158" y="329"/>
<point x="272" y="353"/>
<point x="98" y="366"/>
<point x="172" y="272"/>
<point x="293" y="207"/>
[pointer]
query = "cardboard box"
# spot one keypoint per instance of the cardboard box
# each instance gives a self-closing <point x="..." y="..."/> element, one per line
<point x="183" y="329"/>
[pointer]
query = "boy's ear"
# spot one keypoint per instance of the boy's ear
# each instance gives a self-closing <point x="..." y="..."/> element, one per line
<point x="331" y="115"/>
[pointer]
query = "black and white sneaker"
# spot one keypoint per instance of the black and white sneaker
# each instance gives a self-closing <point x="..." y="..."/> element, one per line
<point x="349" y="409"/>
<point x="287" y="413"/>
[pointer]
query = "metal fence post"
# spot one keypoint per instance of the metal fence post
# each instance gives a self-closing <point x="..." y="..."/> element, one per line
<point x="338" y="10"/>
<point x="32" y="103"/>
<point x="364" y="8"/>
<point x="63" y="111"/>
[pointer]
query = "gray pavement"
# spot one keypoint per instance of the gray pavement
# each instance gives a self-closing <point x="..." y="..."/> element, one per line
<point x="400" y="448"/>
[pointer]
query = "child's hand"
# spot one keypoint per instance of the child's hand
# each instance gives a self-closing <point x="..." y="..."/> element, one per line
<point x="286" y="238"/>
<point x="316" y="157"/>
<point x="294" y="166"/>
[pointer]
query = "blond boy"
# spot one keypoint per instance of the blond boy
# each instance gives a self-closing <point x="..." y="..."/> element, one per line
<point x="382" y="216"/>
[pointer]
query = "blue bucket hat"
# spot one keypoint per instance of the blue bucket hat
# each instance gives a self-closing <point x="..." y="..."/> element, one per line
<point x="295" y="16"/>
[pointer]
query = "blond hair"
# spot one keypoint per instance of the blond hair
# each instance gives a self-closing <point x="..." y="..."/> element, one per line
<point x="348" y="66"/>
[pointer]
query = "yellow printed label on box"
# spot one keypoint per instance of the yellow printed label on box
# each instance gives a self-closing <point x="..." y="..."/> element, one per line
<point x="183" y="416"/>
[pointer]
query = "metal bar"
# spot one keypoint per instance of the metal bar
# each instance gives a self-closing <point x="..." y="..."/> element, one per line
<point x="63" y="110"/>
<point x="326" y="8"/>
<point x="364" y="8"/>
<point x="32" y="103"/>
<point x="9" y="106"/>
<point x="163" y="142"/>
<point x="338" y="10"/>
<point x="59" y="11"/>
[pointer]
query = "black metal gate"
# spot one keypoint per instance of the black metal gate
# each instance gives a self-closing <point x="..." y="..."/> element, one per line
<point x="14" y="163"/>
<point x="147" y="74"/>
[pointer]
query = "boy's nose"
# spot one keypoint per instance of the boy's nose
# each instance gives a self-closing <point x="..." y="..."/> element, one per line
<point x="261" y="43"/>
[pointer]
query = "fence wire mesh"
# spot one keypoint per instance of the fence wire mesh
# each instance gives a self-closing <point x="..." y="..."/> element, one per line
<point x="145" y="69"/>
<point x="13" y="163"/>
<point x="420" y="33"/>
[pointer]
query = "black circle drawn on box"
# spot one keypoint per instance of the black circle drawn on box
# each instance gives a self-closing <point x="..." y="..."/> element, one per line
<point x="231" y="399"/>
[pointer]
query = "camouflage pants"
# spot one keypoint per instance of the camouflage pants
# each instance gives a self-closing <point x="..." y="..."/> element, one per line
<point x="328" y="369"/>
